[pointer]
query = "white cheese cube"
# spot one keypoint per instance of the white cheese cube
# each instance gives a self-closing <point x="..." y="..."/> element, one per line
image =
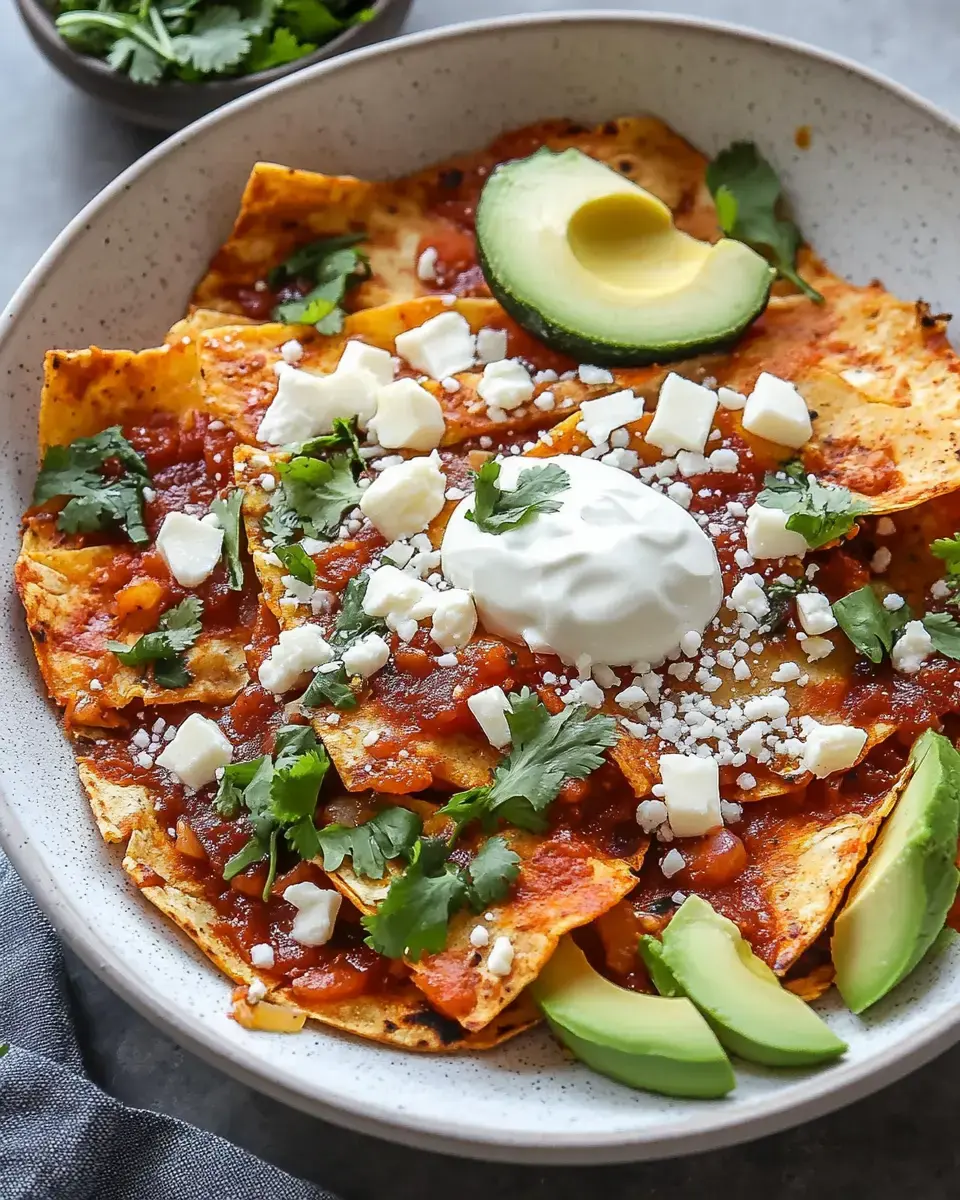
<point x="317" y="910"/>
<point x="768" y="535"/>
<point x="673" y="863"/>
<point x="830" y="748"/>
<point x="816" y="615"/>
<point x="691" y="792"/>
<point x="408" y="416"/>
<point x="911" y="649"/>
<point x="199" y="748"/>
<point x="491" y="345"/>
<point x="816" y="648"/>
<point x="261" y="955"/>
<point x="427" y="265"/>
<point x="506" y="384"/>
<point x="730" y="399"/>
<point x="297" y="651"/>
<point x="489" y="707"/>
<point x="479" y="936"/>
<point x="748" y="596"/>
<point x="190" y="547"/>
<point x="366" y="656"/>
<point x="601" y="417"/>
<point x="589" y="374"/>
<point x="454" y="619"/>
<point x="405" y="498"/>
<point x="500" y="958"/>
<point x="358" y="356"/>
<point x="439" y="347"/>
<point x="775" y="410"/>
<point x="684" y="415"/>
<point x="397" y="596"/>
<point x="306" y="404"/>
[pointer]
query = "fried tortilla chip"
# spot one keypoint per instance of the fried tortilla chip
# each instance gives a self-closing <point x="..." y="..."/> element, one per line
<point x="283" y="209"/>
<point x="397" y="1015"/>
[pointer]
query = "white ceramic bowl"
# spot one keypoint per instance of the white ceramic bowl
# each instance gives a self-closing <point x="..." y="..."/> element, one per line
<point x="875" y="192"/>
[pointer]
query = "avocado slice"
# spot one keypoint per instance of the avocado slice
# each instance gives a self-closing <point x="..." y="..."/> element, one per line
<point x="650" y="950"/>
<point x="752" y="1014"/>
<point x="649" y="1042"/>
<point x="592" y="265"/>
<point x="900" y="899"/>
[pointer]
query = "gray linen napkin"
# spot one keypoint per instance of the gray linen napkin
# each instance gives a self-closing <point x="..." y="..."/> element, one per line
<point x="61" y="1137"/>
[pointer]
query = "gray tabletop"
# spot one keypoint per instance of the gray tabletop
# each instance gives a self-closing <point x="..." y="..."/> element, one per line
<point x="58" y="149"/>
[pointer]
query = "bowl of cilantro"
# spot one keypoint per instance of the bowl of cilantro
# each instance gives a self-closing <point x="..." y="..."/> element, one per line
<point x="164" y="63"/>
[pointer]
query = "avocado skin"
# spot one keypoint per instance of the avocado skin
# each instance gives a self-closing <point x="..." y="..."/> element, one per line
<point x="583" y="348"/>
<point x="630" y="1042"/>
<point x="920" y="838"/>
<point x="763" y="1024"/>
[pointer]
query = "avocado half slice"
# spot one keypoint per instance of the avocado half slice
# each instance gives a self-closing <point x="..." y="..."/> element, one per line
<point x="651" y="1042"/>
<point x="593" y="265"/>
<point x="752" y="1014"/>
<point x="900" y="900"/>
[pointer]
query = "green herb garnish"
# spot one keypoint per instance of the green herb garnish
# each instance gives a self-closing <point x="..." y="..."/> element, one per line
<point x="176" y="631"/>
<point x="821" y="512"/>
<point x="746" y="191"/>
<point x="280" y="796"/>
<point x="329" y="687"/>
<point x="343" y="437"/>
<point x="391" y="834"/>
<point x="779" y="594"/>
<point x="496" y="510"/>
<point x="871" y="627"/>
<point x="298" y="562"/>
<point x="333" y="265"/>
<point x="313" y="495"/>
<point x="98" y="501"/>
<point x="352" y="623"/>
<point x="196" y="40"/>
<point x="944" y="633"/>
<point x="547" y="749"/>
<point x="227" y="512"/>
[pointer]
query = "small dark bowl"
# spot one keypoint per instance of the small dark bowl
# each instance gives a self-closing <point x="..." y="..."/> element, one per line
<point x="169" y="106"/>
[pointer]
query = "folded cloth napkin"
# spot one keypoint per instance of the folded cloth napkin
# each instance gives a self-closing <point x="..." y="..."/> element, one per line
<point x="61" y="1137"/>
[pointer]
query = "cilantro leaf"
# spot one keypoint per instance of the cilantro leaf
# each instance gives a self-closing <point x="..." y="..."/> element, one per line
<point x="390" y="834"/>
<point x="311" y="19"/>
<point x="254" y="851"/>
<point x="236" y="776"/>
<point x="412" y="918"/>
<point x="219" y="39"/>
<point x="949" y="550"/>
<point x="333" y="265"/>
<point x="495" y="510"/>
<point x="142" y="64"/>
<point x="282" y="48"/>
<point x="294" y="789"/>
<point x="280" y="521"/>
<point x="343" y="437"/>
<point x="352" y="622"/>
<point x="228" y="513"/>
<point x="329" y="687"/>
<point x="779" y="594"/>
<point x="319" y="492"/>
<point x="98" y="501"/>
<point x="291" y="741"/>
<point x="176" y="631"/>
<point x="869" y="626"/>
<point x="492" y="872"/>
<point x="747" y="194"/>
<point x="944" y="632"/>
<point x="298" y="562"/>
<point x="821" y="512"/>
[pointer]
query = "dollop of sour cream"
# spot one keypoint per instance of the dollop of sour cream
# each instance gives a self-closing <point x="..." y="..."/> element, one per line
<point x="619" y="573"/>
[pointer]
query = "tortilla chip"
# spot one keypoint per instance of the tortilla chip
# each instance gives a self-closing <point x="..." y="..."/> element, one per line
<point x="812" y="986"/>
<point x="283" y="209"/>
<point x="198" y="321"/>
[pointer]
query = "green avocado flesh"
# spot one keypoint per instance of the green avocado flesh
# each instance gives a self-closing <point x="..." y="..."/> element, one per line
<point x="651" y="1042"/>
<point x="753" y="1016"/>
<point x="900" y="900"/>
<point x="592" y="265"/>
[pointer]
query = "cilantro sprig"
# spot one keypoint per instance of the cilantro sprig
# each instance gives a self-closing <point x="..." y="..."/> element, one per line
<point x="821" y="512"/>
<point x="352" y="622"/>
<point x="343" y="437"/>
<point x="873" y="629"/>
<point x="176" y="631"/>
<point x="313" y="496"/>
<point x="547" y="749"/>
<point x="279" y="794"/>
<point x="99" y="499"/>
<point x="227" y="511"/>
<point x="391" y="834"/>
<point x="329" y="687"/>
<point x="496" y="509"/>
<point x="949" y="550"/>
<point x="333" y="265"/>
<point x="194" y="40"/>
<point x="747" y="194"/>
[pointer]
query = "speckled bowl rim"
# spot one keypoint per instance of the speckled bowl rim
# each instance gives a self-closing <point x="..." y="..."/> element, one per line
<point x="727" y="1123"/>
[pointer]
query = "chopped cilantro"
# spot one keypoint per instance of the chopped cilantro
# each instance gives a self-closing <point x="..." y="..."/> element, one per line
<point x="333" y="265"/>
<point x="547" y="749"/>
<point x="496" y="510"/>
<point x="944" y="632"/>
<point x="871" y="627"/>
<point x="279" y="794"/>
<point x="98" y="501"/>
<point x="228" y="513"/>
<point x="313" y="496"/>
<point x="352" y="622"/>
<point x="298" y="562"/>
<point x="343" y="437"/>
<point x="176" y="631"/>
<point x="746" y="191"/>
<point x="779" y="594"/>
<point x="329" y="687"/>
<point x="390" y="834"/>
<point x="821" y="512"/>
<point x="948" y="548"/>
